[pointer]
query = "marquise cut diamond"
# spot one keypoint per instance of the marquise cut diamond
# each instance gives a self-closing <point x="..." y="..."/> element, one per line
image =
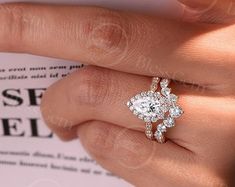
<point x="150" y="106"/>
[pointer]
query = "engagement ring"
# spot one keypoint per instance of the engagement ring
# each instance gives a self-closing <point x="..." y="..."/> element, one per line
<point x="155" y="106"/>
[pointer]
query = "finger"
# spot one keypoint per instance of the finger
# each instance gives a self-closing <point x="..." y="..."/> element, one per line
<point x="101" y="94"/>
<point x="141" y="162"/>
<point x="212" y="11"/>
<point x="122" y="41"/>
<point x="129" y="155"/>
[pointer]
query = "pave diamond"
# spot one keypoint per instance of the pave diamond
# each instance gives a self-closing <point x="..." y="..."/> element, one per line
<point x="154" y="119"/>
<point x="147" y="119"/>
<point x="155" y="82"/>
<point x="141" y="116"/>
<point x="148" y="126"/>
<point x="129" y="104"/>
<point x="136" y="112"/>
<point x="159" y="136"/>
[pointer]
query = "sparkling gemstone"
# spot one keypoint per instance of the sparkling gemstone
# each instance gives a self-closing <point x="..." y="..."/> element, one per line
<point x="147" y="119"/>
<point x="175" y="112"/>
<point x="129" y="103"/>
<point x="150" y="107"/>
<point x="141" y="116"/>
<point x="156" y="80"/>
<point x="133" y="99"/>
<point x="159" y="136"/>
<point x="149" y="126"/>
<point x="135" y="112"/>
<point x="131" y="108"/>
<point x="143" y="94"/>
<point x="161" y="127"/>
<point x="148" y="132"/>
<point x="149" y="136"/>
<point x="173" y="98"/>
<point x="150" y="94"/>
<point x="169" y="122"/>
<point x="166" y="91"/>
<point x="164" y="83"/>
<point x="157" y="94"/>
<point x="154" y="119"/>
<point x="165" y="103"/>
<point x="137" y="96"/>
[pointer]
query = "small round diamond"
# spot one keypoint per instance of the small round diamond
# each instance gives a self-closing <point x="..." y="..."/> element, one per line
<point x="148" y="126"/>
<point x="150" y="94"/>
<point x="173" y="98"/>
<point x="161" y="128"/>
<point x="157" y="95"/>
<point x="164" y="83"/>
<point x="143" y="94"/>
<point x="148" y="132"/>
<point x="135" y="112"/>
<point x="150" y="136"/>
<point x="131" y="108"/>
<point x="154" y="119"/>
<point x="169" y="122"/>
<point x="129" y="103"/>
<point x="166" y="91"/>
<point x="159" y="136"/>
<point x="141" y="116"/>
<point x="175" y="112"/>
<point x="133" y="99"/>
<point x="147" y="119"/>
<point x="138" y="96"/>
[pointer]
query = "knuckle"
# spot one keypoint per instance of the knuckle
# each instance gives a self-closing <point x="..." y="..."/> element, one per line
<point x="91" y="87"/>
<point x="105" y="31"/>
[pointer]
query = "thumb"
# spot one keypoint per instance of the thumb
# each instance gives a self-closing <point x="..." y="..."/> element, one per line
<point x="210" y="11"/>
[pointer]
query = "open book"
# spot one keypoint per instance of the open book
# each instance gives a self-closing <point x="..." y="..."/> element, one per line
<point x="30" y="155"/>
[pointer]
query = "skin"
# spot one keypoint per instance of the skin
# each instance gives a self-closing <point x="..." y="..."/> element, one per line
<point x="125" y="50"/>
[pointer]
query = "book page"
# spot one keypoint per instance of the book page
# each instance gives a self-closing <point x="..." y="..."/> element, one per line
<point x="30" y="155"/>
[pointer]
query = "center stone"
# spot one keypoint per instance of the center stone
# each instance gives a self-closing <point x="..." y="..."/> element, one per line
<point x="148" y="106"/>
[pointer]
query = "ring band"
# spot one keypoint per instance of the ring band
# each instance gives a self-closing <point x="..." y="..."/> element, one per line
<point x="153" y="106"/>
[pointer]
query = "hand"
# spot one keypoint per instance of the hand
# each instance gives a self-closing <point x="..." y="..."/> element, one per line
<point x="90" y="103"/>
<point x="212" y="11"/>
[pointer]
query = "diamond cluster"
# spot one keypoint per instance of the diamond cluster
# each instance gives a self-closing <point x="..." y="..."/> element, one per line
<point x="152" y="106"/>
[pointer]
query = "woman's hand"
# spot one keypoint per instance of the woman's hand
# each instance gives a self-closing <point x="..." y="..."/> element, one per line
<point x="212" y="11"/>
<point x="90" y="103"/>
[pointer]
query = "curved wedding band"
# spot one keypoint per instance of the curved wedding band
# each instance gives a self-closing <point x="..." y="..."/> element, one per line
<point x="153" y="106"/>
